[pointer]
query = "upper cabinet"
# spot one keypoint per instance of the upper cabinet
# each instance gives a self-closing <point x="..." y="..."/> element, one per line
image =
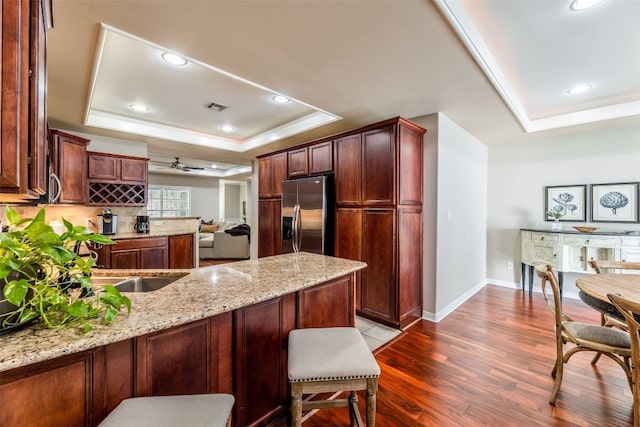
<point x="23" y="169"/>
<point x="272" y="170"/>
<point x="117" y="180"/>
<point x="311" y="160"/>
<point x="68" y="158"/>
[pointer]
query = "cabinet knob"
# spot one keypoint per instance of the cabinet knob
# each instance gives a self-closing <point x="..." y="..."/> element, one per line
<point x="586" y="242"/>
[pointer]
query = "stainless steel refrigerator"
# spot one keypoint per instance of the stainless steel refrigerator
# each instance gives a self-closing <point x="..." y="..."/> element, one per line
<point x="307" y="215"/>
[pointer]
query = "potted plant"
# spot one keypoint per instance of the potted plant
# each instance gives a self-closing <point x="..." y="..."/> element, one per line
<point x="556" y="215"/>
<point x="43" y="277"/>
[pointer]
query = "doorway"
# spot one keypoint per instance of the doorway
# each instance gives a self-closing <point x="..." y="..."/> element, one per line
<point x="233" y="200"/>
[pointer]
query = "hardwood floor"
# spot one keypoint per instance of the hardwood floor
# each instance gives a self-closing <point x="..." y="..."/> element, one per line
<point x="489" y="364"/>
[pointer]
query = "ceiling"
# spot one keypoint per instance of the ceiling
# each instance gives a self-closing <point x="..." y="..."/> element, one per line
<point x="500" y="69"/>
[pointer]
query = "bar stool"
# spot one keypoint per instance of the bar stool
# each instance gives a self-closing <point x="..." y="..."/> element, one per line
<point x="201" y="410"/>
<point x="331" y="360"/>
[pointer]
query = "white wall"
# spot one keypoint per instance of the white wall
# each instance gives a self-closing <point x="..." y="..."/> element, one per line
<point x="518" y="173"/>
<point x="460" y="209"/>
<point x="204" y="192"/>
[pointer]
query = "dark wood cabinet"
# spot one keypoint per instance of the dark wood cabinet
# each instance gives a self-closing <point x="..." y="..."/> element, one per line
<point x="243" y="352"/>
<point x="181" y="251"/>
<point x="262" y="385"/>
<point x="68" y="157"/>
<point x="53" y="393"/>
<point x="348" y="170"/>
<point x="272" y="170"/>
<point x="312" y="160"/>
<point x="327" y="305"/>
<point x="117" y="180"/>
<point x="23" y="169"/>
<point x="140" y="253"/>
<point x="298" y="163"/>
<point x="269" y="227"/>
<point x="149" y="252"/>
<point x="378" y="175"/>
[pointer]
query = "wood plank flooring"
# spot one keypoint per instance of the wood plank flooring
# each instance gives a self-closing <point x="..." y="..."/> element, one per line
<point x="489" y="364"/>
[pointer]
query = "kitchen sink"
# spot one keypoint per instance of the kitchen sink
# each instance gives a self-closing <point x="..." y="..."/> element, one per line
<point x="137" y="283"/>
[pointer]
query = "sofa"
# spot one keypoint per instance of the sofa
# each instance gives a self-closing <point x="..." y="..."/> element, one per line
<point x="216" y="243"/>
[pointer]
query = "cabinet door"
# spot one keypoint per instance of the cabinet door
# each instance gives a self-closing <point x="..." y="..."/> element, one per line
<point x="53" y="393"/>
<point x="327" y="305"/>
<point x="298" y="163"/>
<point x="175" y="361"/>
<point x="272" y="171"/>
<point x="348" y="157"/>
<point x="410" y="169"/>
<point x="261" y="332"/>
<point x="71" y="167"/>
<point x="378" y="298"/>
<point x="154" y="257"/>
<point x="125" y="258"/>
<point x="14" y="166"/>
<point x="39" y="173"/>
<point x="134" y="170"/>
<point x="269" y="227"/>
<point x="409" y="265"/>
<point x="181" y="251"/>
<point x="348" y="241"/>
<point x="103" y="167"/>
<point x="279" y="173"/>
<point x="378" y="155"/>
<point x="321" y="158"/>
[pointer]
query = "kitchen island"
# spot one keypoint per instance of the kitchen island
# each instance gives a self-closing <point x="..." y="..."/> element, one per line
<point x="217" y="329"/>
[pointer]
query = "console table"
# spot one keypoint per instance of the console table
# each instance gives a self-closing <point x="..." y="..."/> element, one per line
<point x="570" y="251"/>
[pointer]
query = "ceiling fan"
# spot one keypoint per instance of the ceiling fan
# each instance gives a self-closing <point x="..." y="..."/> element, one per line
<point x="180" y="166"/>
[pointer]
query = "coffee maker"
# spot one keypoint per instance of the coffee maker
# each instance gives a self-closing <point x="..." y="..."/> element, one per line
<point x="142" y="224"/>
<point x="107" y="222"/>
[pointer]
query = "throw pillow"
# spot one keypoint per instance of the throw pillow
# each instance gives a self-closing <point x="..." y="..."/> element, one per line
<point x="208" y="228"/>
<point x="203" y="222"/>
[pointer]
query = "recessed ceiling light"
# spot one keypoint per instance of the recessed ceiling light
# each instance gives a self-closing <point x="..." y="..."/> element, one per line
<point x="139" y="108"/>
<point x="576" y="90"/>
<point x="214" y="166"/>
<point x="174" y="59"/>
<point x="583" y="4"/>
<point x="280" y="99"/>
<point x="227" y="128"/>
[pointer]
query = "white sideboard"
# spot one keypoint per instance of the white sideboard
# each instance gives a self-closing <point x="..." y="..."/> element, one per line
<point x="570" y="251"/>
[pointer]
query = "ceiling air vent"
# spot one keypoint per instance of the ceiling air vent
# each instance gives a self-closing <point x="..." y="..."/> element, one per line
<point x="216" y="106"/>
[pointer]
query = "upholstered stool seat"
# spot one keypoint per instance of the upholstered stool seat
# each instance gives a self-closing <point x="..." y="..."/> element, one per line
<point x="210" y="410"/>
<point x="331" y="360"/>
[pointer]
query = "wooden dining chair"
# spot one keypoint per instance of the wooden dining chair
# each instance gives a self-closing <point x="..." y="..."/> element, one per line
<point x="610" y="342"/>
<point x="606" y="266"/>
<point x="631" y="312"/>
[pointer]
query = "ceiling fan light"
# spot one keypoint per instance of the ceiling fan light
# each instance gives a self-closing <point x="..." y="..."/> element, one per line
<point x="174" y="59"/>
<point x="583" y="4"/>
<point x="578" y="89"/>
<point x="139" y="108"/>
<point x="279" y="99"/>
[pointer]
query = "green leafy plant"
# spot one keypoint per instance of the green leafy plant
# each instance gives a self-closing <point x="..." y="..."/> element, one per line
<point x="45" y="279"/>
<point x="554" y="214"/>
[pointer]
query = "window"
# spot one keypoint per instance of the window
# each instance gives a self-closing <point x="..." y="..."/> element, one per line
<point x="169" y="201"/>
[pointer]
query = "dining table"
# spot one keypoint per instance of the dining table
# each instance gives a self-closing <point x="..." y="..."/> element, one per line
<point x="593" y="290"/>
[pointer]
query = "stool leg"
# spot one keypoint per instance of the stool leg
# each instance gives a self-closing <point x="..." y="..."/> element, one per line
<point x="372" y="388"/>
<point x="353" y="406"/>
<point x="296" y="405"/>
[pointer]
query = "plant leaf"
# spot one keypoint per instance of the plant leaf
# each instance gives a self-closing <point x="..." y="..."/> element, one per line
<point x="15" y="291"/>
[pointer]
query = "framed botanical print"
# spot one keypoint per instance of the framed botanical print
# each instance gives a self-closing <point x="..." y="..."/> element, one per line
<point x="566" y="203"/>
<point x="614" y="202"/>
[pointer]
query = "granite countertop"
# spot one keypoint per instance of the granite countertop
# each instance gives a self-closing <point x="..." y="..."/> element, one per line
<point x="152" y="233"/>
<point x="202" y="293"/>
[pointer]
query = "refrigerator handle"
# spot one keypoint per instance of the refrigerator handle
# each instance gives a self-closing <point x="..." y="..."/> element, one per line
<point x="294" y="239"/>
<point x="299" y="230"/>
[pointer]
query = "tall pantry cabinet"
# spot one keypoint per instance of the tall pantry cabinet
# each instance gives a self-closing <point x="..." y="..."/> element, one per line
<point x="378" y="175"/>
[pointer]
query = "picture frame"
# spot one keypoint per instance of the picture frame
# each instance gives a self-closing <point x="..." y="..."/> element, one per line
<point x="568" y="200"/>
<point x="614" y="202"/>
